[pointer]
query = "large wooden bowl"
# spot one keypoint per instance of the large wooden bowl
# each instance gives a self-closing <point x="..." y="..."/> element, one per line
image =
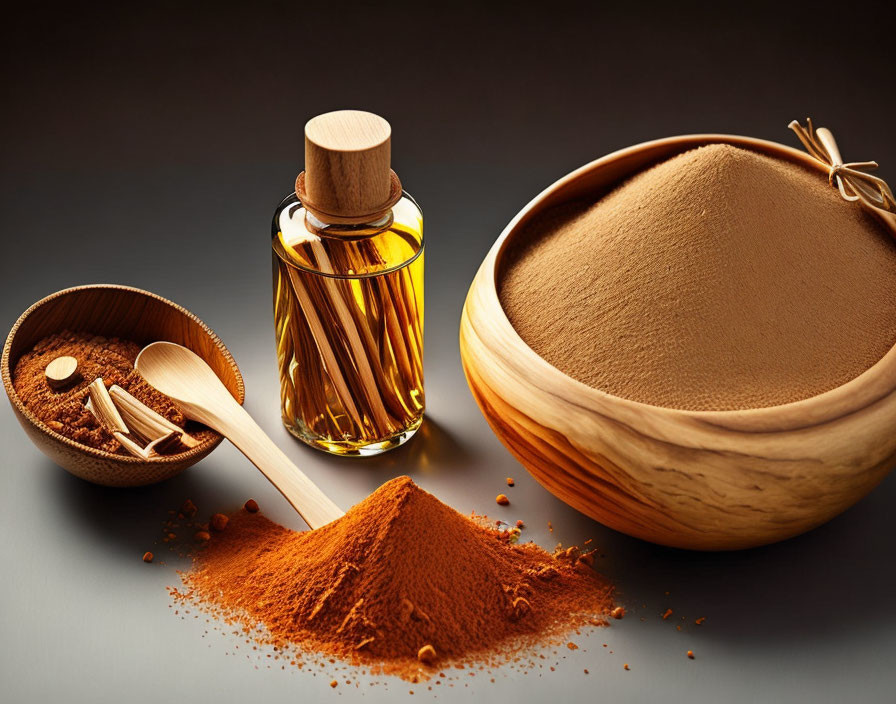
<point x="703" y="480"/>
<point x="129" y="313"/>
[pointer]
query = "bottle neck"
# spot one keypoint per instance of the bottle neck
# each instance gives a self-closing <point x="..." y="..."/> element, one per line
<point x="349" y="210"/>
<point x="322" y="228"/>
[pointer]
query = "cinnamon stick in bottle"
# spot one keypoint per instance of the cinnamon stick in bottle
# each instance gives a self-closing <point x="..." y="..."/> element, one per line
<point x="348" y="292"/>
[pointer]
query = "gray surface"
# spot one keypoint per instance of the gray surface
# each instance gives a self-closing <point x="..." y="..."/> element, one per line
<point x="132" y="137"/>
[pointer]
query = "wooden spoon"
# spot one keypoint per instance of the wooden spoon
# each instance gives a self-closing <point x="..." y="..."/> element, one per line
<point x="185" y="378"/>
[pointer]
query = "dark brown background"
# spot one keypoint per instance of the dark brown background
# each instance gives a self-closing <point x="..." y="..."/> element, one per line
<point x="186" y="122"/>
<point x="148" y="144"/>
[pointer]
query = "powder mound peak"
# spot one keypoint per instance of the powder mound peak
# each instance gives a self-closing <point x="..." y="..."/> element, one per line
<point x="412" y="556"/>
<point x="719" y="279"/>
<point x="399" y="571"/>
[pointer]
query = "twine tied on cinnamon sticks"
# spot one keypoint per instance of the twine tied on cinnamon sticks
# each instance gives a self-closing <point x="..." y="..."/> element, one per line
<point x="852" y="178"/>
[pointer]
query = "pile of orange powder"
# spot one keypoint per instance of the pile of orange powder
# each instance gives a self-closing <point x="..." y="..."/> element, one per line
<point x="402" y="584"/>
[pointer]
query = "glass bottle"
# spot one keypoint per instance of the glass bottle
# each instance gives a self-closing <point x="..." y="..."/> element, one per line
<point x="348" y="293"/>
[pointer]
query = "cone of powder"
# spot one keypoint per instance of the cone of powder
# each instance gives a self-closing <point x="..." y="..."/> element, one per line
<point x="400" y="571"/>
<point x="720" y="279"/>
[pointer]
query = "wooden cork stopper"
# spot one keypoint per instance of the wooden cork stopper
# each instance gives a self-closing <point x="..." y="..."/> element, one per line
<point x="347" y="175"/>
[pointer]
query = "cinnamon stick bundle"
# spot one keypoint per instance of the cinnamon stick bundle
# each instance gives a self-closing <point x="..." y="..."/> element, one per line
<point x="349" y="348"/>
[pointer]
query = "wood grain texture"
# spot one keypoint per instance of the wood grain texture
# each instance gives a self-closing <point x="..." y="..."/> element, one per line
<point x="114" y="311"/>
<point x="347" y="175"/>
<point x="62" y="372"/>
<point x="708" y="480"/>
<point x="145" y="422"/>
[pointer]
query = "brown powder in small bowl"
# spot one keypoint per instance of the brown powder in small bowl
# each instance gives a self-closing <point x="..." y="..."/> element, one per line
<point x="63" y="410"/>
<point x="720" y="279"/>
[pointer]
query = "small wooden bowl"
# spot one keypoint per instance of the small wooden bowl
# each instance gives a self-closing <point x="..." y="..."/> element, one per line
<point x="128" y="313"/>
<point x="701" y="480"/>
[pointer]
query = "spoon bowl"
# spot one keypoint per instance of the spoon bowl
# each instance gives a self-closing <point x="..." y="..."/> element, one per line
<point x="185" y="378"/>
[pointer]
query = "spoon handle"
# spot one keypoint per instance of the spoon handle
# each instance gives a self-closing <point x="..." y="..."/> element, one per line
<point x="311" y="503"/>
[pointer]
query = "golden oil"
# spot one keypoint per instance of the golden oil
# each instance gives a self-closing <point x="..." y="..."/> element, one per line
<point x="348" y="309"/>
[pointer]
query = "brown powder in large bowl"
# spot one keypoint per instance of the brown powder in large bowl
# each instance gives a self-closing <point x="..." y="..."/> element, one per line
<point x="719" y="279"/>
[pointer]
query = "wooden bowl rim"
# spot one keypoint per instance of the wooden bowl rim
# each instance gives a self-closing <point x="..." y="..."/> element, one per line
<point x="194" y="453"/>
<point x="832" y="403"/>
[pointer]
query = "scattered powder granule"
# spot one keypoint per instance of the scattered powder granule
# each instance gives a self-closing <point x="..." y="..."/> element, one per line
<point x="401" y="584"/>
<point x="719" y="279"/>
<point x="427" y="655"/>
